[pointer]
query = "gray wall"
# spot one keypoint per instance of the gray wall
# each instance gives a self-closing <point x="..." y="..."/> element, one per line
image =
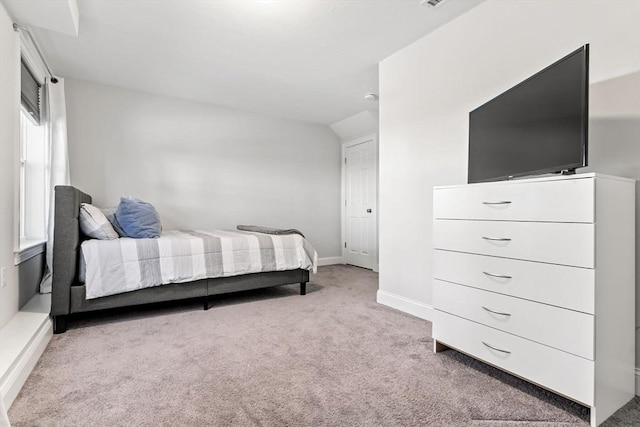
<point x="614" y="132"/>
<point x="30" y="274"/>
<point x="428" y="89"/>
<point x="205" y="167"/>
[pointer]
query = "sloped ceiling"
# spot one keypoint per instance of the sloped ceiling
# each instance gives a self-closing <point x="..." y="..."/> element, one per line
<point x="309" y="60"/>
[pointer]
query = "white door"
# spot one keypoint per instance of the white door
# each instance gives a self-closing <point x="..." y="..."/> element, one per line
<point x="360" y="202"/>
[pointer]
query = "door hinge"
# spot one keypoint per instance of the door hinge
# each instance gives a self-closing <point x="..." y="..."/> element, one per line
<point x="345" y="245"/>
<point x="345" y="160"/>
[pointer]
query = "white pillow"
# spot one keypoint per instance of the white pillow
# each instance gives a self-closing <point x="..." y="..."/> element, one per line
<point x="95" y="224"/>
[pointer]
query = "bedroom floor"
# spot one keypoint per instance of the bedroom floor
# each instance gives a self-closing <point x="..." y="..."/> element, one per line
<point x="272" y="357"/>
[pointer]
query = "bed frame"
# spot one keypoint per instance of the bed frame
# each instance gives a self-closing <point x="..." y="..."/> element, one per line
<point x="68" y="296"/>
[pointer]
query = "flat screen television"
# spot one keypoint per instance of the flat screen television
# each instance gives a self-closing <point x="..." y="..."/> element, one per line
<point x="538" y="126"/>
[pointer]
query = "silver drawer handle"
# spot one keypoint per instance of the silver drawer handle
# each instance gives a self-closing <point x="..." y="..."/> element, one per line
<point x="499" y="276"/>
<point x="502" y="202"/>
<point x="497" y="239"/>
<point x="496" y="312"/>
<point x="496" y="349"/>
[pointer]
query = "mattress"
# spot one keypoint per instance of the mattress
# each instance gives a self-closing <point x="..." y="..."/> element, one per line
<point x="124" y="265"/>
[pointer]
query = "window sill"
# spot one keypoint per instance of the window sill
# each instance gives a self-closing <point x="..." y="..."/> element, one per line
<point x="28" y="249"/>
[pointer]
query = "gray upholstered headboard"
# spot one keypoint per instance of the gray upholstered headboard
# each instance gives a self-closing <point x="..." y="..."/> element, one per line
<point x="66" y="241"/>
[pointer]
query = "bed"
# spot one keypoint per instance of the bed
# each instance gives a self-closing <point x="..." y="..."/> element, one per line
<point x="69" y="293"/>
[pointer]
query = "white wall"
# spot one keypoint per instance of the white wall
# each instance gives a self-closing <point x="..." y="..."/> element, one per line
<point x="9" y="143"/>
<point x="205" y="167"/>
<point x="428" y="89"/>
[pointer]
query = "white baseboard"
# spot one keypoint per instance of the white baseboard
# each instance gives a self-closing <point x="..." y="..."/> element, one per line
<point x="637" y="381"/>
<point x="19" y="371"/>
<point x="407" y="305"/>
<point x="331" y="260"/>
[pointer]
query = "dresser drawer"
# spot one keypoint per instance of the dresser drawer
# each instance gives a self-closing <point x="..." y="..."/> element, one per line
<point x="565" y="200"/>
<point x="559" y="285"/>
<point x="556" y="370"/>
<point x="556" y="243"/>
<point x="566" y="330"/>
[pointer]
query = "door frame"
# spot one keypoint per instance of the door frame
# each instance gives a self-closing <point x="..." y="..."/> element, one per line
<point x="343" y="212"/>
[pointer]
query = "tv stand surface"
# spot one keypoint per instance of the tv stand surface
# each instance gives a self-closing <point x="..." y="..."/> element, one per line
<point x="524" y="276"/>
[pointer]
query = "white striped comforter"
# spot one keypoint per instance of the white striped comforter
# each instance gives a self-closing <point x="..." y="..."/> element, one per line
<point x="124" y="265"/>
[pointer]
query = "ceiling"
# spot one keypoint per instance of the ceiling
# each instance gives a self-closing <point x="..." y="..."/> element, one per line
<point x="310" y="60"/>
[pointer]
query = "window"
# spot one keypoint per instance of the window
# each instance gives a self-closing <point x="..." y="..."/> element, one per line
<point x="33" y="164"/>
<point x="32" y="180"/>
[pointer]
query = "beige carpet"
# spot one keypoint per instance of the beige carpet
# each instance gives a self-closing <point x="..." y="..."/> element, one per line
<point x="274" y="358"/>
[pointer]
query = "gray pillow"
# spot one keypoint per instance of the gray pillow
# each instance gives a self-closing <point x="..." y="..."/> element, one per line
<point x="95" y="224"/>
<point x="110" y="213"/>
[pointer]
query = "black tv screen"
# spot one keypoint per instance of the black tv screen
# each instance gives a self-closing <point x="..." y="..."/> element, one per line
<point x="539" y="126"/>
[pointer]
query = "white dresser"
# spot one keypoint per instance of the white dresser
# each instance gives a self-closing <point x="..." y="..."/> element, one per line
<point x="537" y="277"/>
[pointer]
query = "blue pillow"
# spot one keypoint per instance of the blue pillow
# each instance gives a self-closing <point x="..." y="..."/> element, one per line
<point x="138" y="219"/>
